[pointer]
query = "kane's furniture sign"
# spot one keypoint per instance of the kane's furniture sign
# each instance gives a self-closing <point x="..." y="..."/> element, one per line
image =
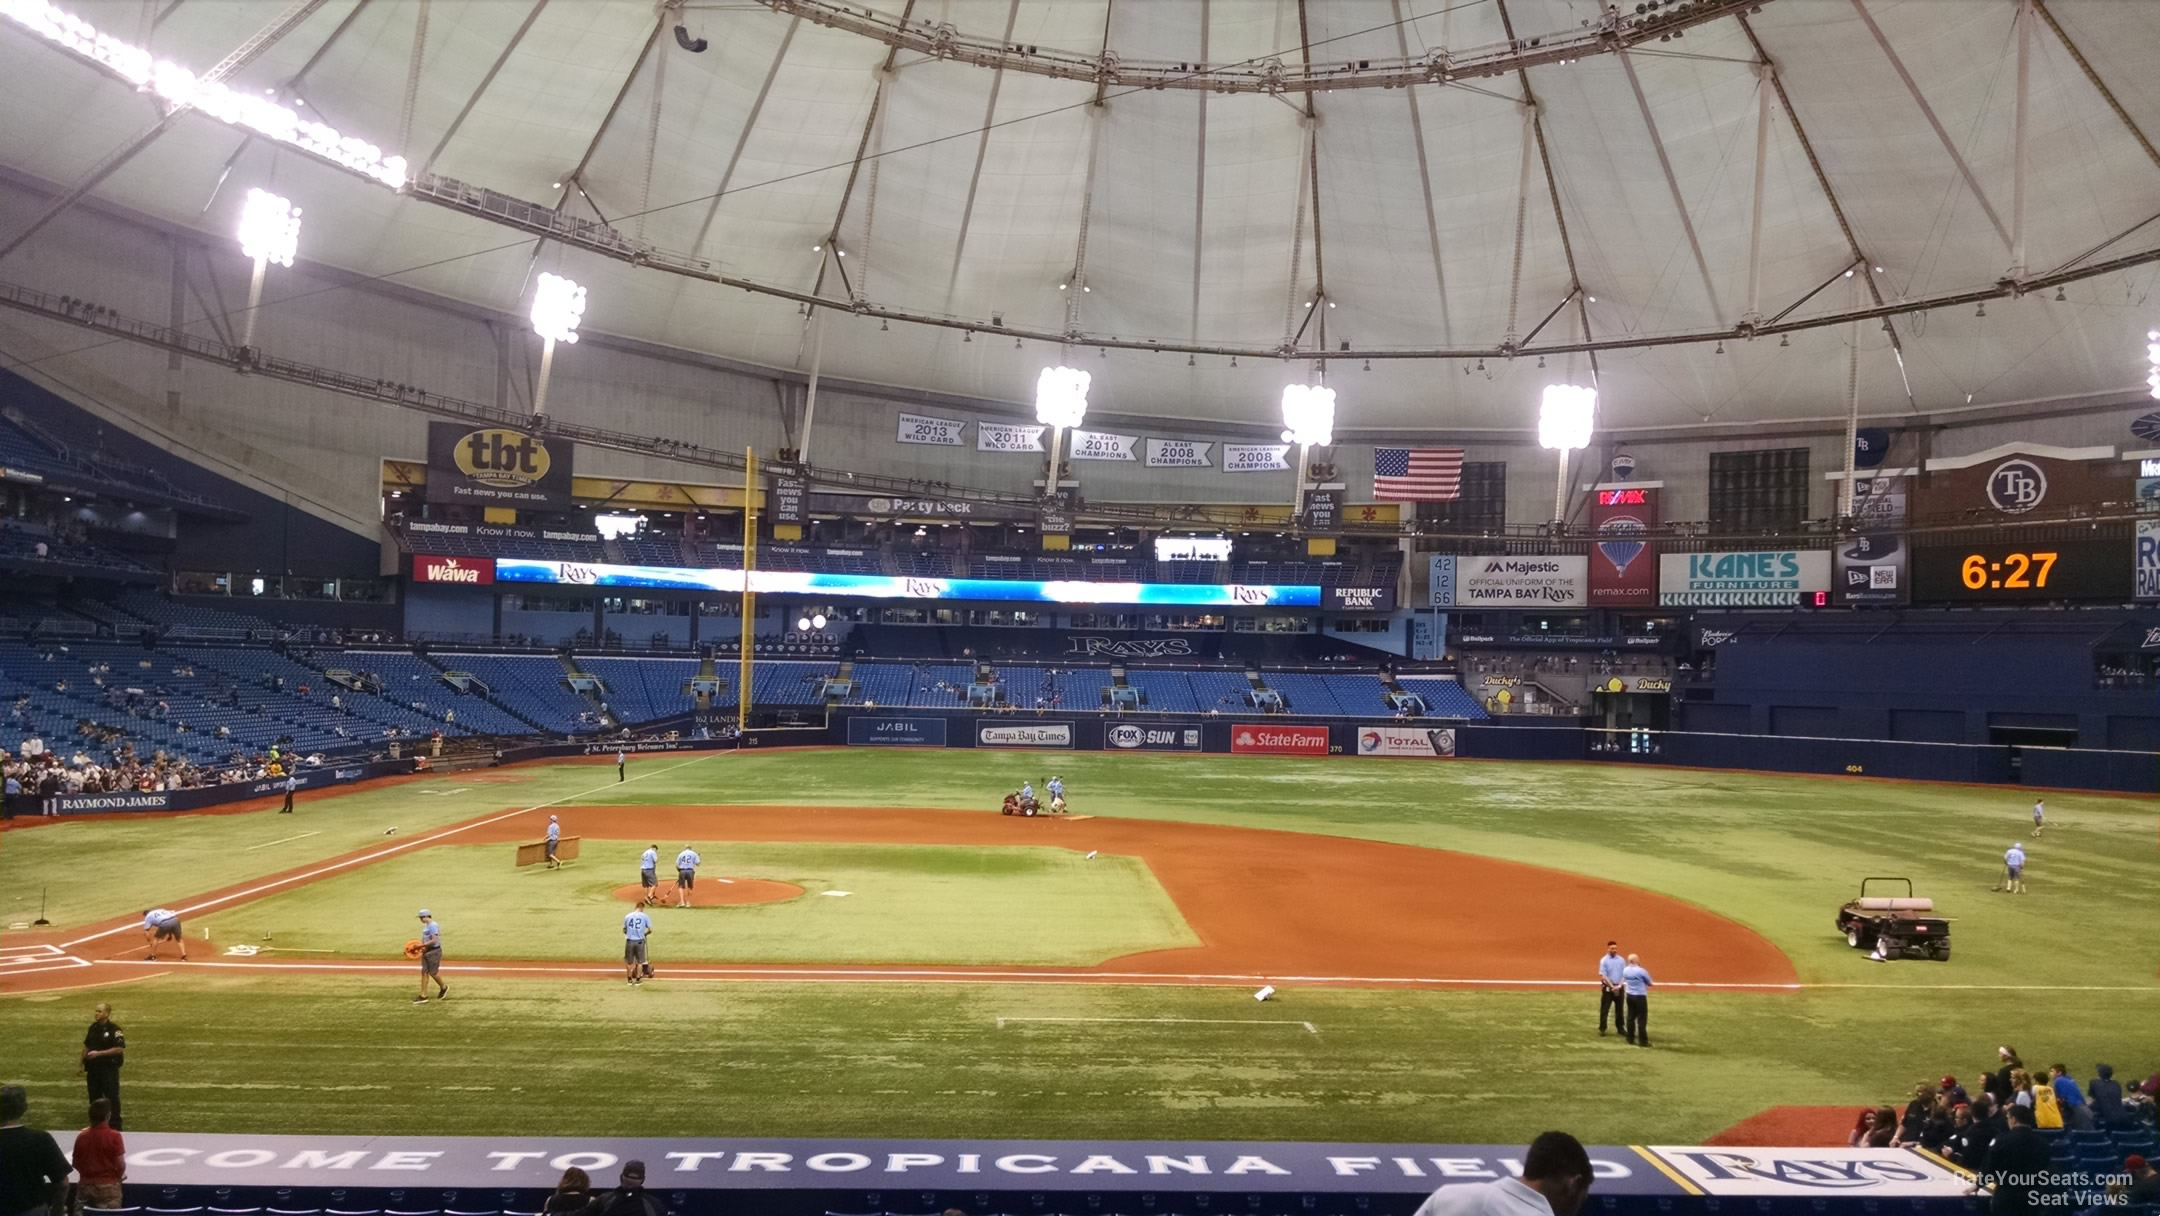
<point x="1764" y="578"/>
<point x="1128" y="738"/>
<point x="1031" y="734"/>
<point x="482" y="1163"/>
<point x="1522" y="582"/>
<point x="496" y="466"/>
<point x="1401" y="740"/>
<point x="1270" y="740"/>
<point x="471" y="571"/>
<point x="896" y="732"/>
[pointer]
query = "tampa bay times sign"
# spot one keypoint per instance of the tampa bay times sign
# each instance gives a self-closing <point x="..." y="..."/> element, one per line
<point x="360" y="1162"/>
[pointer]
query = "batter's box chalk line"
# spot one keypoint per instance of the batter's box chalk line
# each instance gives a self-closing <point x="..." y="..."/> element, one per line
<point x="837" y="894"/>
<point x="1309" y="1027"/>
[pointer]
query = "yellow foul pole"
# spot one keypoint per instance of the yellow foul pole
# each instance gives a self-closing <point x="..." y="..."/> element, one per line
<point x="749" y="604"/>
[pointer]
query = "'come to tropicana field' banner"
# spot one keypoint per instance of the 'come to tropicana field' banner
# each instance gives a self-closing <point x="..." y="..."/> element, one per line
<point x="881" y="586"/>
<point x="526" y="1162"/>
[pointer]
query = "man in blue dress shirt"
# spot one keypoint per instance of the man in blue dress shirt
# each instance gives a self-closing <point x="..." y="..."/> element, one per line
<point x="1635" y="981"/>
<point x="1609" y="967"/>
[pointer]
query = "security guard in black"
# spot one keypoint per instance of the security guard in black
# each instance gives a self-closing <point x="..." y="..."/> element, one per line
<point x="104" y="1051"/>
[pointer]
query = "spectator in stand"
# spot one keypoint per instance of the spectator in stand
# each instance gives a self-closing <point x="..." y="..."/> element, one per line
<point x="1870" y="1130"/>
<point x="2144" y="1181"/>
<point x="2021" y="1088"/>
<point x="1555" y="1181"/>
<point x="1998" y="1083"/>
<point x="2076" y="1114"/>
<point x="1956" y="1092"/>
<point x="629" y="1198"/>
<point x="33" y="1171"/>
<point x="100" y="1159"/>
<point x="1916" y="1115"/>
<point x="1967" y="1145"/>
<point x="2015" y="1164"/>
<point x="571" y="1194"/>
<point x="2046" y="1108"/>
<point x="2106" y="1095"/>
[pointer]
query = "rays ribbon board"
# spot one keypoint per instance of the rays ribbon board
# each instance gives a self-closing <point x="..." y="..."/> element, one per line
<point x="892" y="587"/>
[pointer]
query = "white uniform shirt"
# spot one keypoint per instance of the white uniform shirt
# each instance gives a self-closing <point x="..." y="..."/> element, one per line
<point x="1504" y="1197"/>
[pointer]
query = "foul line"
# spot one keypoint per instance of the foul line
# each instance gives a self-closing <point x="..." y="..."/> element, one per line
<point x="945" y="975"/>
<point x="1309" y="1027"/>
<point x="133" y="979"/>
<point x="287" y="840"/>
<point x="334" y="866"/>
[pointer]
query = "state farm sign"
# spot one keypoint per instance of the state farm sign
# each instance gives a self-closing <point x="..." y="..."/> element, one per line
<point x="472" y="571"/>
<point x="1279" y="740"/>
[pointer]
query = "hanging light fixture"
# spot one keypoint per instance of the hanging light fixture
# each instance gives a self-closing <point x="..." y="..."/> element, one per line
<point x="1566" y="418"/>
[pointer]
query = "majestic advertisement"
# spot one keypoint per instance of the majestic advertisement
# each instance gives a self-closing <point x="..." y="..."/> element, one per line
<point x="1255" y="457"/>
<point x="1623" y="560"/>
<point x="1360" y="599"/>
<point x="1030" y="734"/>
<point x="1179" y="454"/>
<point x="1249" y="739"/>
<point x="471" y="571"/>
<point x="1871" y="566"/>
<point x="1766" y="578"/>
<point x="938" y="432"/>
<point x="1522" y="582"/>
<point x="2018" y="479"/>
<point x="1128" y="738"/>
<point x="896" y="732"/>
<point x="497" y="466"/>
<point x="2147" y="569"/>
<point x="1101" y="445"/>
<point x="1007" y="437"/>
<point x="1401" y="740"/>
<point x="882" y="586"/>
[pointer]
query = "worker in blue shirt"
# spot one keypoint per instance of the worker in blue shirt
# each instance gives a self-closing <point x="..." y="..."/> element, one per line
<point x="686" y="864"/>
<point x="430" y="959"/>
<point x="648" y="866"/>
<point x="1609" y="967"/>
<point x="636" y="927"/>
<point x="1635" y="981"/>
<point x="554" y="841"/>
<point x="2014" y="868"/>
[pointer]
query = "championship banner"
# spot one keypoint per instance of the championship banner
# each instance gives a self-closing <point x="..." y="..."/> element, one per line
<point x="1007" y="437"/>
<point x="1255" y="457"/>
<point x="785" y="500"/>
<point x="939" y="432"/>
<point x="1522" y="582"/>
<point x="2148" y="559"/>
<point x="1179" y="454"/>
<point x="497" y="466"/>
<point x="1771" y="578"/>
<point x="1398" y="740"/>
<point x="1323" y="508"/>
<point x="2018" y="478"/>
<point x="1871" y="567"/>
<point x="1623" y="562"/>
<point x="1272" y="740"/>
<point x="1102" y="445"/>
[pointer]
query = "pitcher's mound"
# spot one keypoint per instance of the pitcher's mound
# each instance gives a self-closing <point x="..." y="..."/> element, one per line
<point x="713" y="892"/>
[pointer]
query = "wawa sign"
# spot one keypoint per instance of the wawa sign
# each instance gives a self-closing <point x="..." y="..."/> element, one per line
<point x="471" y="571"/>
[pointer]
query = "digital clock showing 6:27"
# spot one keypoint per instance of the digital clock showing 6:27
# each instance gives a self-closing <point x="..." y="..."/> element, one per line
<point x="2065" y="570"/>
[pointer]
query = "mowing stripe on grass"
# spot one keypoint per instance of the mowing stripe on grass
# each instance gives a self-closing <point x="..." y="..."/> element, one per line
<point x="1309" y="1027"/>
<point x="286" y="840"/>
<point x="334" y="866"/>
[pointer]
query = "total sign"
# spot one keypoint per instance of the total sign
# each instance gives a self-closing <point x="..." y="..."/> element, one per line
<point x="1270" y="740"/>
<point x="1405" y="741"/>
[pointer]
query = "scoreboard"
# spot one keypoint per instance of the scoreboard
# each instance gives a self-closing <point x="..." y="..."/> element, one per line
<point x="2022" y="572"/>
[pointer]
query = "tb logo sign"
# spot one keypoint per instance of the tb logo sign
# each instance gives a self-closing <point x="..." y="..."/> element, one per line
<point x="2016" y="486"/>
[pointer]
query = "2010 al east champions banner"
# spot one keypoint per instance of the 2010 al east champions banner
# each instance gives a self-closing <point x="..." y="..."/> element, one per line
<point x="1623" y="560"/>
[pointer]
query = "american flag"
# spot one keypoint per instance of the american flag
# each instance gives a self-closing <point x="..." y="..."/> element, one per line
<point x="1417" y="474"/>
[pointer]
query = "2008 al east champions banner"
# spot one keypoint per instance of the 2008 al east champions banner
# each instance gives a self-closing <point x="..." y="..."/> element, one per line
<point x="1178" y="454"/>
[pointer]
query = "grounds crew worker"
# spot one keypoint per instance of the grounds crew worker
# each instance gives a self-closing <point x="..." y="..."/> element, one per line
<point x="104" y="1050"/>
<point x="1635" y="978"/>
<point x="1609" y="968"/>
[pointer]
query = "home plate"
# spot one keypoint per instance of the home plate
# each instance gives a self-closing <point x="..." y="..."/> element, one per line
<point x="837" y="894"/>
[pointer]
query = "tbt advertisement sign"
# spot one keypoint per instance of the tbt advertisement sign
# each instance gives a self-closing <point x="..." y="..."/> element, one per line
<point x="1247" y="739"/>
<point x="1400" y="740"/>
<point x="896" y="732"/>
<point x="1522" y="582"/>
<point x="496" y="466"/>
<point x="1032" y="734"/>
<point x="1769" y="578"/>
<point x="1871" y="567"/>
<point x="789" y="494"/>
<point x="1128" y="738"/>
<point x="1623" y="563"/>
<point x="471" y="571"/>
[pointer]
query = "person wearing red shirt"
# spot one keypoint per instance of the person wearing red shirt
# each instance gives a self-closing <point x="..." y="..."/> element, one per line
<point x="100" y="1159"/>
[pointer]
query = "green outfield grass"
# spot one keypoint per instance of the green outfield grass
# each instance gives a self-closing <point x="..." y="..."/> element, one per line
<point x="903" y="904"/>
<point x="2069" y="972"/>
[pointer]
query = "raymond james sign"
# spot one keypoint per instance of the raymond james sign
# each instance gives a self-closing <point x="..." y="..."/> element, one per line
<point x="489" y="1163"/>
